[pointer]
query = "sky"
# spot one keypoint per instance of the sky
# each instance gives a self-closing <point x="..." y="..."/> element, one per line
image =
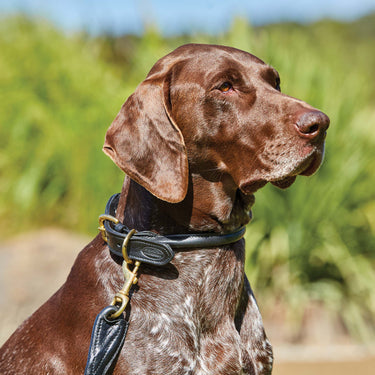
<point x="179" y="16"/>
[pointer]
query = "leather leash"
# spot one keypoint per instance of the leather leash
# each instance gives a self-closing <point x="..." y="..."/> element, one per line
<point x="110" y="326"/>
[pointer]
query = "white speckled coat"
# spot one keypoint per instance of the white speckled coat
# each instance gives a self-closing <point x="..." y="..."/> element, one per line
<point x="206" y="129"/>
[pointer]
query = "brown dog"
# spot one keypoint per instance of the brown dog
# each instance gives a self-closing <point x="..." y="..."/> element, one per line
<point x="206" y="129"/>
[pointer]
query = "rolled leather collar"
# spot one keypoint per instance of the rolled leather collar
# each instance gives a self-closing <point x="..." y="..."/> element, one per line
<point x="155" y="249"/>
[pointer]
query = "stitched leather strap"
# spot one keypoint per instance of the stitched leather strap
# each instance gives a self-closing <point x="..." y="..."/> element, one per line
<point x="107" y="340"/>
<point x="149" y="247"/>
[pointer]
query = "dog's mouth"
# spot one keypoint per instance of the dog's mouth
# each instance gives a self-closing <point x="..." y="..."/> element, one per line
<point x="285" y="182"/>
<point x="306" y="168"/>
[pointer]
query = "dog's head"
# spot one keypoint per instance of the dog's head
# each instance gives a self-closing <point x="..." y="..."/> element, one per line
<point x="218" y="109"/>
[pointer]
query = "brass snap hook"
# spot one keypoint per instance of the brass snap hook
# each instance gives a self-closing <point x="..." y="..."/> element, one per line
<point x="125" y="244"/>
<point x="122" y="297"/>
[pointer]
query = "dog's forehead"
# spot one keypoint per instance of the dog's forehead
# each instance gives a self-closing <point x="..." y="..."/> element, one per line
<point x="221" y="63"/>
<point x="206" y="57"/>
<point x="209" y="52"/>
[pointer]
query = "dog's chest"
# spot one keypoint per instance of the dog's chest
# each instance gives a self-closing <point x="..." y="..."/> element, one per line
<point x="182" y="345"/>
<point x="187" y="326"/>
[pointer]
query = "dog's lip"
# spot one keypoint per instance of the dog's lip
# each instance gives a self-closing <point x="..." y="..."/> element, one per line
<point x="312" y="166"/>
<point x="284" y="182"/>
<point x="306" y="168"/>
<point x="252" y="186"/>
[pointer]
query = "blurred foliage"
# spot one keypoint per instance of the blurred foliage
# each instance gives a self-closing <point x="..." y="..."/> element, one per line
<point x="312" y="242"/>
<point x="57" y="98"/>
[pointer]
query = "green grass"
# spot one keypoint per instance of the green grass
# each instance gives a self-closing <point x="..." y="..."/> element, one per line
<point x="58" y="98"/>
<point x="313" y="242"/>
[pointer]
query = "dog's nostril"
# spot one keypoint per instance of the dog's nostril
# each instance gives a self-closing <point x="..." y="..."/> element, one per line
<point x="312" y="123"/>
<point x="313" y="128"/>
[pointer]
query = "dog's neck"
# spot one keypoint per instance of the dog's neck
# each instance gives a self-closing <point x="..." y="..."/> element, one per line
<point x="209" y="206"/>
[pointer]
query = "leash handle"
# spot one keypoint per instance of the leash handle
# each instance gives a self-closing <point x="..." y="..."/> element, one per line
<point x="107" y="340"/>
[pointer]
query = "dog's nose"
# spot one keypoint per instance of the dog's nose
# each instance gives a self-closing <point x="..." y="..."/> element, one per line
<point x="312" y="123"/>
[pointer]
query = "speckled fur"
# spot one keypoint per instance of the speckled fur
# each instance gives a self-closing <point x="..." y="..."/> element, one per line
<point x="204" y="131"/>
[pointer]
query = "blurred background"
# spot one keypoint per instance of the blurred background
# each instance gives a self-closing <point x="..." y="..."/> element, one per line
<point x="65" y="70"/>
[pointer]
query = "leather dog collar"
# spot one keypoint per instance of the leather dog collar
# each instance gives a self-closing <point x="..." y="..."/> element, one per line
<point x="152" y="248"/>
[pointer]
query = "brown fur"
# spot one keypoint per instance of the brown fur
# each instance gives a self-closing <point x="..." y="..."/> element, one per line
<point x="204" y="131"/>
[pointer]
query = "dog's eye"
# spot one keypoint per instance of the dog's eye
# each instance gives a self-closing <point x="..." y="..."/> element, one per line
<point x="277" y="86"/>
<point x="225" y="87"/>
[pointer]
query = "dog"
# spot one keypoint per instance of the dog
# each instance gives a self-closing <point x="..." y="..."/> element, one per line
<point x="200" y="135"/>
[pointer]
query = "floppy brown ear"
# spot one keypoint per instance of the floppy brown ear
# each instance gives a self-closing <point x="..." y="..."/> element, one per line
<point x="145" y="143"/>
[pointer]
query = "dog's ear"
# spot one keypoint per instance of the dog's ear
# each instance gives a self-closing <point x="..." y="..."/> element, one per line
<point x="147" y="145"/>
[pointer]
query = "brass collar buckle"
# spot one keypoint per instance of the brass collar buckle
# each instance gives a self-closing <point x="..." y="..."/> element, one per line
<point x="101" y="228"/>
